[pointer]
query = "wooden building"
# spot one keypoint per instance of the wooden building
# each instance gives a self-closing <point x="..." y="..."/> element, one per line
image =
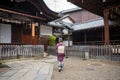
<point x="107" y="33"/>
<point x="20" y="21"/>
<point x="80" y="15"/>
<point x="88" y="28"/>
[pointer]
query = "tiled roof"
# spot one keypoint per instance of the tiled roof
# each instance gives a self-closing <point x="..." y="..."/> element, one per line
<point x="90" y="24"/>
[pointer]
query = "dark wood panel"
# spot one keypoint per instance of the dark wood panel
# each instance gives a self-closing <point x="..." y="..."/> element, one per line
<point x="16" y="33"/>
<point x="27" y="39"/>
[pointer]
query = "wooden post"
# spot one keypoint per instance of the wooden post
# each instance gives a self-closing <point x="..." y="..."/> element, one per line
<point x="39" y="35"/>
<point x="33" y="29"/>
<point x="106" y="26"/>
<point x="102" y="37"/>
<point x="85" y="37"/>
<point x="33" y="32"/>
<point x="45" y="44"/>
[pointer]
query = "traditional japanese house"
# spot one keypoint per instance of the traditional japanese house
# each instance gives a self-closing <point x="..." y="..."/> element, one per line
<point x="95" y="32"/>
<point x="87" y="27"/>
<point x="81" y="16"/>
<point x="20" y="21"/>
<point x="22" y="27"/>
<point x="102" y="28"/>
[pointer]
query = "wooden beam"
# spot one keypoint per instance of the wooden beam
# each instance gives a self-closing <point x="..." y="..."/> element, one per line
<point x="22" y="14"/>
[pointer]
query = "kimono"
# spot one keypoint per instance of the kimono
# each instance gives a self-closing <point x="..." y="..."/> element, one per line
<point x="60" y="50"/>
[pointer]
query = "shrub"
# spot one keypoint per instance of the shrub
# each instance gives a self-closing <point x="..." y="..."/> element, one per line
<point x="51" y="40"/>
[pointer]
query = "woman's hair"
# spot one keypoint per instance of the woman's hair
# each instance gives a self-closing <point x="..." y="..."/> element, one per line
<point x="60" y="40"/>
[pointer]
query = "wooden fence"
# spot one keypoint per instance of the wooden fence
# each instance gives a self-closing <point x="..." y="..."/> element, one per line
<point x="17" y="51"/>
<point x="102" y="52"/>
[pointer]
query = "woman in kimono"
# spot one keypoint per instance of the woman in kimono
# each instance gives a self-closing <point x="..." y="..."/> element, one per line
<point x="60" y="50"/>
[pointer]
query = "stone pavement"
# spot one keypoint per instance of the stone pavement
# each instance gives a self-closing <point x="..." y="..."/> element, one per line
<point x="78" y="69"/>
<point x="28" y="70"/>
<point x="74" y="69"/>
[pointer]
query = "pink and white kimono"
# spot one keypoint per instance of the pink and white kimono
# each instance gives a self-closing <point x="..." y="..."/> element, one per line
<point x="60" y="49"/>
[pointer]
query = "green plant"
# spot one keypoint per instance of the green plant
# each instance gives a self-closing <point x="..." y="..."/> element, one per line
<point x="51" y="40"/>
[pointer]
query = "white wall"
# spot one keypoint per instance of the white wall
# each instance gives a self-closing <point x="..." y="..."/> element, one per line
<point x="5" y="33"/>
<point x="45" y="30"/>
